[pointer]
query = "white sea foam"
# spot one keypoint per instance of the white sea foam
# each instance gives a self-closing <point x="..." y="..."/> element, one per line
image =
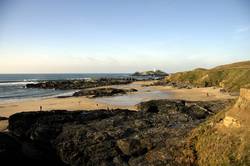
<point x="30" y="80"/>
<point x="15" y="83"/>
<point x="63" y="94"/>
<point x="80" y="78"/>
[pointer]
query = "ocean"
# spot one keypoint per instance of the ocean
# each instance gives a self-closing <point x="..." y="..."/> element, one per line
<point x="12" y="86"/>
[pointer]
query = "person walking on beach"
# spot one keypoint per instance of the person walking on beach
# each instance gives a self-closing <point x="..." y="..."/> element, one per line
<point x="41" y="108"/>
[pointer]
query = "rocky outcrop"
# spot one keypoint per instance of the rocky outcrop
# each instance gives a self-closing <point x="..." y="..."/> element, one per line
<point x="179" y="85"/>
<point x="225" y="138"/>
<point x="240" y="113"/>
<point x="3" y="118"/>
<point x="229" y="121"/>
<point x="245" y="93"/>
<point x="155" y="135"/>
<point x="101" y="92"/>
<point x="79" y="84"/>
<point x="156" y="73"/>
<point x="14" y="151"/>
<point x="10" y="149"/>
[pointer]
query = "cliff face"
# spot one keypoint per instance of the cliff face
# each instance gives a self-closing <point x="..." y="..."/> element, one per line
<point x="225" y="139"/>
<point x="239" y="115"/>
<point x="231" y="77"/>
<point x="243" y="102"/>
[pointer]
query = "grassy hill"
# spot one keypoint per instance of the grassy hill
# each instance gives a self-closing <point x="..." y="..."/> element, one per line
<point x="231" y="77"/>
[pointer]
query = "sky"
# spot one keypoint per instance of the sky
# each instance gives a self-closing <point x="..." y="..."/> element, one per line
<point x="121" y="36"/>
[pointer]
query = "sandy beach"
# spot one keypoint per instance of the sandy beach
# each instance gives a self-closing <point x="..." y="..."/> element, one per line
<point x="143" y="94"/>
<point x="196" y="94"/>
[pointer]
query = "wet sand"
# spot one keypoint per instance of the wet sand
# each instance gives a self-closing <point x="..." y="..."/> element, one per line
<point x="127" y="101"/>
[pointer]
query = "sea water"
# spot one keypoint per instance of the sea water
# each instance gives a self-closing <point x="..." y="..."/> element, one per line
<point x="12" y="86"/>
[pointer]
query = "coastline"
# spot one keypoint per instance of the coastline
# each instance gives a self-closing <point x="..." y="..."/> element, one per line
<point x="37" y="98"/>
<point x="84" y="103"/>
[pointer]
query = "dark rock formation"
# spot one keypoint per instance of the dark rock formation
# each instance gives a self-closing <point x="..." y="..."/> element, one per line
<point x="157" y="73"/>
<point x="15" y="151"/>
<point x="10" y="149"/>
<point x="149" y="75"/>
<point x="179" y="85"/>
<point x="153" y="136"/>
<point x="79" y="84"/>
<point x="100" y="92"/>
<point x="3" y="118"/>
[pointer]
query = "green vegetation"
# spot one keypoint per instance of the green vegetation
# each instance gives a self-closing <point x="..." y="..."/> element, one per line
<point x="231" y="77"/>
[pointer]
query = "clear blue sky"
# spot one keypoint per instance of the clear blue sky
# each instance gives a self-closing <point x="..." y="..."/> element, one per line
<point x="53" y="36"/>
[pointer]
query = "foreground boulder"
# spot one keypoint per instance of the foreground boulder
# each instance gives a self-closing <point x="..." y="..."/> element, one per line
<point x="14" y="151"/>
<point x="10" y="149"/>
<point x="156" y="135"/>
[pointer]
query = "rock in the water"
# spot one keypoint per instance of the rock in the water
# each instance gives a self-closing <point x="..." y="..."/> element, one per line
<point x="101" y="92"/>
<point x="157" y="73"/>
<point x="79" y="84"/>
